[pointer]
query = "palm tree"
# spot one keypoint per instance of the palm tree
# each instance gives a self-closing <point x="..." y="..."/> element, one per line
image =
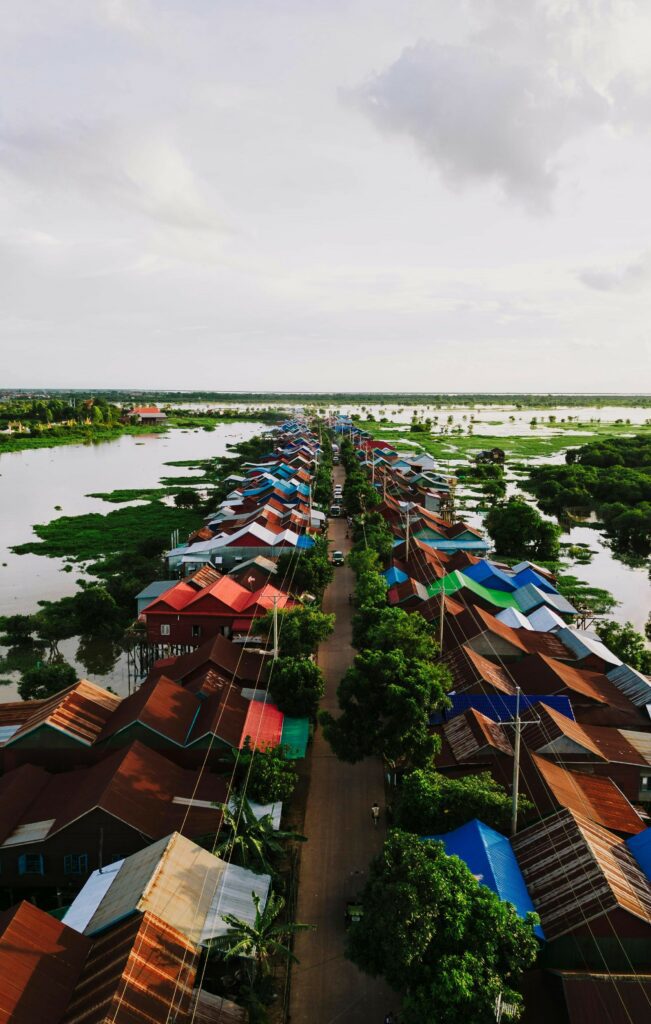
<point x="254" y="841"/>
<point x="261" y="940"/>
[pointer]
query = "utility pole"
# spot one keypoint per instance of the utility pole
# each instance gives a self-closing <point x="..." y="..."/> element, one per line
<point x="275" y="627"/>
<point x="441" y="618"/>
<point x="407" y="538"/>
<point x="516" y="764"/>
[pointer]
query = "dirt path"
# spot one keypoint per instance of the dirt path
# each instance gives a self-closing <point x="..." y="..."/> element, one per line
<point x="327" y="988"/>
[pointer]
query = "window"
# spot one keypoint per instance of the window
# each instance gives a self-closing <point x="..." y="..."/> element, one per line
<point x="30" y="864"/>
<point x="196" y="631"/>
<point x="645" y="784"/>
<point x="165" y="629"/>
<point x="75" y="864"/>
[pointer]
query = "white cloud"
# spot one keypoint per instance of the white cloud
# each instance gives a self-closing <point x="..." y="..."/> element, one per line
<point x="480" y="118"/>
<point x="632" y="277"/>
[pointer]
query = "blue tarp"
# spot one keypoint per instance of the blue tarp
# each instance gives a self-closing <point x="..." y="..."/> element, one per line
<point x="394" y="575"/>
<point x="499" y="707"/>
<point x="489" y="856"/>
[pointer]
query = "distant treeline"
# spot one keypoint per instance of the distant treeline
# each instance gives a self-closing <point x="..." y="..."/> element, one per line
<point x="522" y="401"/>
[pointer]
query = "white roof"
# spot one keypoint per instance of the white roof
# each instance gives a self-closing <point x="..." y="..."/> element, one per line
<point x="233" y="896"/>
<point x="79" y="913"/>
<point x="583" y="644"/>
<point x="545" y="620"/>
<point x="515" y="619"/>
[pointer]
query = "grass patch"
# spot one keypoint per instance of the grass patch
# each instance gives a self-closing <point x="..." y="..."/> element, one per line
<point x="88" y="537"/>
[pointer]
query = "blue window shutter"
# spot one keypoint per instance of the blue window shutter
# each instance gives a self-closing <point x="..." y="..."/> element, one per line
<point x="22" y="864"/>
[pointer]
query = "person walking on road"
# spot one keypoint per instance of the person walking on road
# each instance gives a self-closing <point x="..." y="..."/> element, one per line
<point x="375" y="813"/>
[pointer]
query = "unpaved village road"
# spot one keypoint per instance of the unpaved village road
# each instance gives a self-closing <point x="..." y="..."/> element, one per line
<point x="327" y="988"/>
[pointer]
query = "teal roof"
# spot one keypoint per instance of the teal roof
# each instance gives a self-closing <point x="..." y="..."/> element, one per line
<point x="295" y="734"/>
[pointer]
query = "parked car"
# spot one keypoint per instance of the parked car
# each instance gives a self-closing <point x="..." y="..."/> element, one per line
<point x="335" y="510"/>
<point x="338" y="558"/>
<point x="335" y="460"/>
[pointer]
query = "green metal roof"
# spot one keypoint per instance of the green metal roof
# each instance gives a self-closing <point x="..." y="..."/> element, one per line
<point x="295" y="734"/>
<point x="456" y="580"/>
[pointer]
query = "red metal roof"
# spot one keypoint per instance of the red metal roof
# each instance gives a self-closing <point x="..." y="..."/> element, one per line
<point x="471" y="733"/>
<point x="160" y="705"/>
<point x="40" y="961"/>
<point x="141" y="971"/>
<point x="264" y="725"/>
<point x="592" y="998"/>
<point x="146" y="409"/>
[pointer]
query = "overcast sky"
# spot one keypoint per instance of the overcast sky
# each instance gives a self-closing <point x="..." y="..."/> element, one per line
<point x="326" y="194"/>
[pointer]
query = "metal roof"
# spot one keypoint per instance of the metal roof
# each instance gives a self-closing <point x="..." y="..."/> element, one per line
<point x="294" y="738"/>
<point x="594" y="796"/>
<point x="232" y="895"/>
<point x="491" y="860"/>
<point x="592" y="998"/>
<point x="544" y="619"/>
<point x="498" y="707"/>
<point x="632" y="684"/>
<point x="583" y="644"/>
<point x="577" y="871"/>
<point x="514" y="618"/>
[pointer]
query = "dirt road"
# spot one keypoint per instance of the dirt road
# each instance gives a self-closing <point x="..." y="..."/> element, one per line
<point x="327" y="988"/>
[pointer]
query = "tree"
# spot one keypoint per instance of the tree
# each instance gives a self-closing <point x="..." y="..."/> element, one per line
<point x="371" y="531"/>
<point x="431" y="803"/>
<point x="187" y="497"/>
<point x="261" y="940"/>
<point x="56" y="621"/>
<point x="254" y="842"/>
<point x="386" y="700"/>
<point x="300" y="629"/>
<point x="309" y="571"/>
<point x="44" y="681"/>
<point x="17" y="629"/>
<point x="297" y="685"/>
<point x="371" y="590"/>
<point x="517" y="528"/>
<point x="449" y="944"/>
<point x="268" y="776"/>
<point x="389" y="629"/>
<point x="96" y="612"/>
<point x="626" y="643"/>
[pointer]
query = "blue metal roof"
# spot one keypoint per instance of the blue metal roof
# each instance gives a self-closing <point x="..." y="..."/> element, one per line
<point x="304" y="542"/>
<point x="394" y="575"/>
<point x="489" y="575"/>
<point x="640" y="847"/>
<point x="490" y="858"/>
<point x="500" y="707"/>
<point x="530" y="575"/>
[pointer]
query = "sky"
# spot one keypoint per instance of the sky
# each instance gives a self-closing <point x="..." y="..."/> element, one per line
<point x="417" y="195"/>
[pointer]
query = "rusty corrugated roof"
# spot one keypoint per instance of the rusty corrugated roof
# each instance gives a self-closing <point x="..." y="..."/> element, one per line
<point x="81" y="712"/>
<point x="577" y="871"/>
<point x="593" y="998"/>
<point x="593" y="796"/>
<point x="472" y="732"/>
<point x="141" y="971"/>
<point x="159" y="704"/>
<point x="40" y="962"/>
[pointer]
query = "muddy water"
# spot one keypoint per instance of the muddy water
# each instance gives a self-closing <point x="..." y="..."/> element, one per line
<point x="34" y="483"/>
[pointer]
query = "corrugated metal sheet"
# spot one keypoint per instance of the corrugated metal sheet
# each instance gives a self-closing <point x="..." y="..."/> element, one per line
<point x="498" y="707"/>
<point x="81" y="712"/>
<point x="232" y="895"/>
<point x="595" y="797"/>
<point x="40" y="961"/>
<point x="263" y="725"/>
<point x="489" y="857"/>
<point x="294" y="738"/>
<point x="606" y="998"/>
<point x="584" y="644"/>
<point x="209" y="1009"/>
<point x="471" y="733"/>
<point x="632" y="684"/>
<point x="174" y="879"/>
<point x="577" y="871"/>
<point x="140" y="972"/>
<point x="640" y="847"/>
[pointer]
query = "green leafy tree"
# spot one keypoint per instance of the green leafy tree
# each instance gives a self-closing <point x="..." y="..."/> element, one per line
<point x="260" y="941"/>
<point x="386" y="700"/>
<point x="44" y="681"/>
<point x="371" y="590"/>
<point x="626" y="643"/>
<point x="96" y="612"/>
<point x="254" y="842"/>
<point x="56" y="621"/>
<point x="266" y="775"/>
<point x="447" y="943"/>
<point x="187" y="497"/>
<point x="389" y="629"/>
<point x="371" y="531"/>
<point x="430" y="803"/>
<point x="309" y="571"/>
<point x="300" y="630"/>
<point x="517" y="528"/>
<point x="17" y="629"/>
<point x="297" y="685"/>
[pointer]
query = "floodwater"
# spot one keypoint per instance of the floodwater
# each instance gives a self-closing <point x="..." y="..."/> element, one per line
<point x="32" y="485"/>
